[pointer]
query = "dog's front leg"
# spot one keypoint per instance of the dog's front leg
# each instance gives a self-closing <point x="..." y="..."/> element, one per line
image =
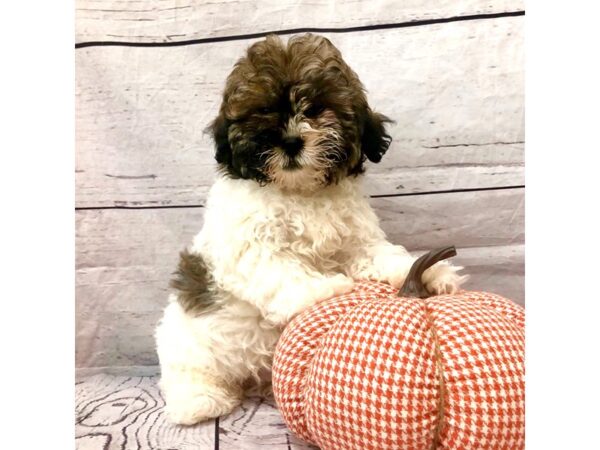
<point x="301" y="292"/>
<point x="281" y="286"/>
<point x="383" y="261"/>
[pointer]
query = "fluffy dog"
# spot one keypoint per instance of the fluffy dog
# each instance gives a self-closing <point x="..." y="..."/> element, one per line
<point x="286" y="224"/>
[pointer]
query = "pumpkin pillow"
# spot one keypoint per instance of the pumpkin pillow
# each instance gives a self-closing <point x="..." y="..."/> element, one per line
<point x="374" y="369"/>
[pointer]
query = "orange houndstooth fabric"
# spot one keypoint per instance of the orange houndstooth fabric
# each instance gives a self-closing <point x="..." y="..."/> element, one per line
<point x="369" y="370"/>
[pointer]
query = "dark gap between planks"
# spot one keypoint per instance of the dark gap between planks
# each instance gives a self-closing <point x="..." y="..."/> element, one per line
<point x="450" y="191"/>
<point x="217" y="433"/>
<point x="406" y="194"/>
<point x="383" y="26"/>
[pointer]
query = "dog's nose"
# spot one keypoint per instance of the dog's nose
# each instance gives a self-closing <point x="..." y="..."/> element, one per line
<point x="292" y="145"/>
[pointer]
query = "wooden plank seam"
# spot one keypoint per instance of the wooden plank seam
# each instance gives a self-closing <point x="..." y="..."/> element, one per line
<point x="386" y="26"/>
<point x="405" y="194"/>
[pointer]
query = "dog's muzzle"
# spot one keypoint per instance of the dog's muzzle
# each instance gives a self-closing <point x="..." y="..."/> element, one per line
<point x="292" y="146"/>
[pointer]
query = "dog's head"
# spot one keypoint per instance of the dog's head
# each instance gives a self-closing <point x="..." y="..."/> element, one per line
<point x="296" y="115"/>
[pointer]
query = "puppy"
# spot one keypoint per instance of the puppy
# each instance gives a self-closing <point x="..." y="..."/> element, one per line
<point x="286" y="224"/>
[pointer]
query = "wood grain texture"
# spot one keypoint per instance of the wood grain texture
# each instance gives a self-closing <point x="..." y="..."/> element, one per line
<point x="178" y="20"/>
<point x="127" y="413"/>
<point x="257" y="424"/>
<point x="125" y="258"/>
<point x="495" y="269"/>
<point x="455" y="91"/>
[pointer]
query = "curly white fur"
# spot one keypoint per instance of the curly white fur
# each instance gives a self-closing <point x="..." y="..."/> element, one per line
<point x="272" y="254"/>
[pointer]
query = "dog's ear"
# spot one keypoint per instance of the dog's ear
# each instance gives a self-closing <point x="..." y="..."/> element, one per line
<point x="219" y="129"/>
<point x="374" y="139"/>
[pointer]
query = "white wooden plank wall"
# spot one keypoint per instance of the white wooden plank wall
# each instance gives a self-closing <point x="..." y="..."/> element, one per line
<point x="180" y="20"/>
<point x="149" y="78"/>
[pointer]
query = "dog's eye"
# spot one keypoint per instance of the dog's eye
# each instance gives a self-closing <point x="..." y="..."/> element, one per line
<point x="265" y="110"/>
<point x="313" y="111"/>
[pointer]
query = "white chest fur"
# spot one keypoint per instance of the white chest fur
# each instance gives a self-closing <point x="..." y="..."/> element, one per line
<point x="244" y="217"/>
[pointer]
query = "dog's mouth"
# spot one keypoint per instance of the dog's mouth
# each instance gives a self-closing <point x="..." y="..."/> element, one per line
<point x="288" y="160"/>
<point x="291" y="164"/>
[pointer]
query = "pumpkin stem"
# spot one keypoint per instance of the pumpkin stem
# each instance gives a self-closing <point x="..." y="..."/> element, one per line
<point x="413" y="285"/>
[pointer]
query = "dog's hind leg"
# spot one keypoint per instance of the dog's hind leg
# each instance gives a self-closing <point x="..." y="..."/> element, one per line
<point x="193" y="387"/>
<point x="193" y="395"/>
<point x="205" y="358"/>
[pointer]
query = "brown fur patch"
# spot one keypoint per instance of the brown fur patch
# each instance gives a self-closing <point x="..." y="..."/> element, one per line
<point x="193" y="282"/>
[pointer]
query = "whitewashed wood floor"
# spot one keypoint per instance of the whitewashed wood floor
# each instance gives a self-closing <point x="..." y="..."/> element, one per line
<point x="126" y="413"/>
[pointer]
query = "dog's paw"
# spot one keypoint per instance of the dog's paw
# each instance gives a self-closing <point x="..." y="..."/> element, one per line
<point x="442" y="278"/>
<point x="189" y="405"/>
<point x="332" y="287"/>
<point x="199" y="408"/>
